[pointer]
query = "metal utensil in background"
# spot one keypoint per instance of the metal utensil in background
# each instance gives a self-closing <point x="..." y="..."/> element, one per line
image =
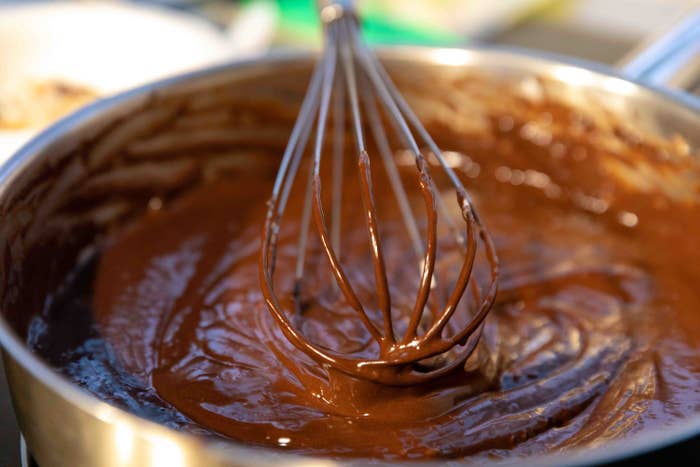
<point x="670" y="57"/>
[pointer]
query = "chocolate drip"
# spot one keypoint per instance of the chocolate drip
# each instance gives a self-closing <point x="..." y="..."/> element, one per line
<point x="413" y="357"/>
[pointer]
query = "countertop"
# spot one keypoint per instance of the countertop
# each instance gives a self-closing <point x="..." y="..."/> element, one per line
<point x="9" y="433"/>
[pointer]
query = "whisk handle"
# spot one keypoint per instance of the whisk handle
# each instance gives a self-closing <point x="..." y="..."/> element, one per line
<point x="331" y="10"/>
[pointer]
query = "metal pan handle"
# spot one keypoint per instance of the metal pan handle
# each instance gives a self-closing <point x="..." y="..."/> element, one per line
<point x="669" y="58"/>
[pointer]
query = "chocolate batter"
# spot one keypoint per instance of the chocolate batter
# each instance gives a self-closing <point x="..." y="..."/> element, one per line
<point x="594" y="334"/>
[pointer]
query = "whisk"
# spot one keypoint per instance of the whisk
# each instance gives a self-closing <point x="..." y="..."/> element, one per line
<point x="348" y="73"/>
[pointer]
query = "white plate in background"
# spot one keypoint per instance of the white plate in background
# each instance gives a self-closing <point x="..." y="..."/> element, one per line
<point x="104" y="46"/>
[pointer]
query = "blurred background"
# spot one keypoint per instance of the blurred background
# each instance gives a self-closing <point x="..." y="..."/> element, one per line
<point x="58" y="55"/>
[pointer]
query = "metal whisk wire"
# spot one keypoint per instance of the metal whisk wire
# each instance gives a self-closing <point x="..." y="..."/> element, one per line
<point x="361" y="83"/>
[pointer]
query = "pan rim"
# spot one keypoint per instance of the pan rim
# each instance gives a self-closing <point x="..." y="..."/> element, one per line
<point x="13" y="346"/>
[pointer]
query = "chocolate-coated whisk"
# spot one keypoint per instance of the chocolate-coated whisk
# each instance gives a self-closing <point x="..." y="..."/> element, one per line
<point x="360" y="82"/>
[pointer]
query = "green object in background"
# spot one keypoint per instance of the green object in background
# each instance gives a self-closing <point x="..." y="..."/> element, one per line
<point x="299" y="23"/>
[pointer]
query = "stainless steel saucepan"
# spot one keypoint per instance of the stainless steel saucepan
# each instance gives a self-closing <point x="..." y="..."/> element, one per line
<point x="109" y="148"/>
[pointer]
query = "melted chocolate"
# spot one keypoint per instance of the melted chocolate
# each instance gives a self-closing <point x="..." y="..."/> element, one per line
<point x="594" y="334"/>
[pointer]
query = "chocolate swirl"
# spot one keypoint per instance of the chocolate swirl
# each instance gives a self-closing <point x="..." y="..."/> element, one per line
<point x="593" y="335"/>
